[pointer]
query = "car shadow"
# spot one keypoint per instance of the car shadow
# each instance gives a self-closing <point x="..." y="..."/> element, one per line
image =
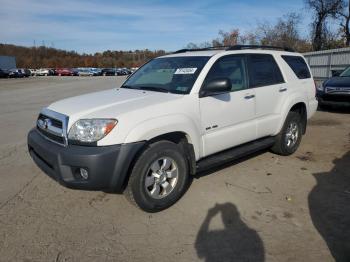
<point x="334" y="109"/>
<point x="236" y="242"/>
<point x="329" y="204"/>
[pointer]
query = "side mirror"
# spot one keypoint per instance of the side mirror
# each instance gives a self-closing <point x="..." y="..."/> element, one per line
<point x="216" y="86"/>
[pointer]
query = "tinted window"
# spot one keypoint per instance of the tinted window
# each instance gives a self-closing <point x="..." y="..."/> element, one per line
<point x="232" y="67"/>
<point x="263" y="71"/>
<point x="298" y="65"/>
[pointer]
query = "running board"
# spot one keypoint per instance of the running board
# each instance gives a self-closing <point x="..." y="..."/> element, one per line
<point x="234" y="153"/>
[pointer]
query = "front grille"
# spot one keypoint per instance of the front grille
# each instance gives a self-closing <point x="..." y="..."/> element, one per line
<point x="55" y="122"/>
<point x="339" y="90"/>
<point x="58" y="139"/>
<point x="53" y="126"/>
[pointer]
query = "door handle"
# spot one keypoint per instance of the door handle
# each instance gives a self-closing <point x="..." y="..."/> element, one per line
<point x="249" y="96"/>
<point x="283" y="89"/>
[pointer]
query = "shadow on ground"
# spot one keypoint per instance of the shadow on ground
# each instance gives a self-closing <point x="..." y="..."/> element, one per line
<point x="334" y="109"/>
<point x="329" y="203"/>
<point x="236" y="242"/>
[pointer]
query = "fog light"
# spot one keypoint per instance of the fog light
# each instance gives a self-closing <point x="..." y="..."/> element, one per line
<point x="84" y="173"/>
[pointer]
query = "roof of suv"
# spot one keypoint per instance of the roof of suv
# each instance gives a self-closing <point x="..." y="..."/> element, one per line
<point x="211" y="51"/>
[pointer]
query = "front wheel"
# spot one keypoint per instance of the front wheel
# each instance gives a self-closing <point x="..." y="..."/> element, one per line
<point x="159" y="177"/>
<point x="288" y="140"/>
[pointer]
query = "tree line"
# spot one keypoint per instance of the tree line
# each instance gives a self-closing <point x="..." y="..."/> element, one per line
<point x="47" y="57"/>
<point x="330" y="29"/>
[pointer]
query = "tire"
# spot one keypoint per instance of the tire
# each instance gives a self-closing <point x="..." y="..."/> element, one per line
<point x="284" y="146"/>
<point x="142" y="189"/>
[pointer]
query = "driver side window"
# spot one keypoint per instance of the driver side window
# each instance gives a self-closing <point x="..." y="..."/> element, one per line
<point x="232" y="67"/>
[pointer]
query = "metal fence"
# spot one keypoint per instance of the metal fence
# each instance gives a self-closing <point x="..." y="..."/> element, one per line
<point x="322" y="63"/>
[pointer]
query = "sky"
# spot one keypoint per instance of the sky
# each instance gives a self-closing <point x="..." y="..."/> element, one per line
<point x="89" y="26"/>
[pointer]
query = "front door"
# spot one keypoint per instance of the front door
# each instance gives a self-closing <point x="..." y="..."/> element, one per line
<point x="228" y="119"/>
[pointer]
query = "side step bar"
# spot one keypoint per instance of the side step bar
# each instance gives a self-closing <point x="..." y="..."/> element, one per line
<point x="234" y="153"/>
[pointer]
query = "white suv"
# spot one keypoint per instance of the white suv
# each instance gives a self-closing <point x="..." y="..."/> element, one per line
<point x="177" y="114"/>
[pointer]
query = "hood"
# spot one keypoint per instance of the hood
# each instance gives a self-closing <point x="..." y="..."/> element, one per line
<point x="338" y="82"/>
<point x="109" y="103"/>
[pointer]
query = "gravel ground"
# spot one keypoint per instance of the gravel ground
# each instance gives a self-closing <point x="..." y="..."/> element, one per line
<point x="263" y="208"/>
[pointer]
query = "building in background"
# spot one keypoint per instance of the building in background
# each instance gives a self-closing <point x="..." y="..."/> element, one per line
<point x="7" y="62"/>
<point x="325" y="63"/>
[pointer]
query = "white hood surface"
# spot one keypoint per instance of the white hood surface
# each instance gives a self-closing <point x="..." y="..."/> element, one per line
<point x="114" y="101"/>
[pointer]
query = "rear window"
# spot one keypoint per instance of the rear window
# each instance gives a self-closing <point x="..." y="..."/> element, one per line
<point x="264" y="71"/>
<point x="298" y="65"/>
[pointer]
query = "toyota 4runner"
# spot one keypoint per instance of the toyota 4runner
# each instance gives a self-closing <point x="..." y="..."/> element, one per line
<point x="177" y="114"/>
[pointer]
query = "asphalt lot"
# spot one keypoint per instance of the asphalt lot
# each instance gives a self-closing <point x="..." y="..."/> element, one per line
<point x="263" y="208"/>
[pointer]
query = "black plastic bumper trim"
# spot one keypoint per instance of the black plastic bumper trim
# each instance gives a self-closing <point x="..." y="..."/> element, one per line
<point x="107" y="165"/>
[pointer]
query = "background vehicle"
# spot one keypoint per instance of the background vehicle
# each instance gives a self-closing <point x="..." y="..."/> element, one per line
<point x="25" y="72"/>
<point x="84" y="72"/>
<point x="15" y="73"/>
<point x="108" y="72"/>
<point x="96" y="71"/>
<point x="65" y="72"/>
<point x="335" y="90"/>
<point x="4" y="73"/>
<point x="177" y="114"/>
<point x="43" y="72"/>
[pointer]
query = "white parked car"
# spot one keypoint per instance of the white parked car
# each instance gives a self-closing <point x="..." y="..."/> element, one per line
<point x="177" y="114"/>
<point x="43" y="72"/>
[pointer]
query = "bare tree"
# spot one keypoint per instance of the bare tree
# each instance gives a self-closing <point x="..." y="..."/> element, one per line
<point x="322" y="9"/>
<point x="284" y="33"/>
<point x="344" y="16"/>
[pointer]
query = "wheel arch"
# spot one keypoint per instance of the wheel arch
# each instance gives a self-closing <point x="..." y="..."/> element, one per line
<point x="296" y="105"/>
<point x="178" y="137"/>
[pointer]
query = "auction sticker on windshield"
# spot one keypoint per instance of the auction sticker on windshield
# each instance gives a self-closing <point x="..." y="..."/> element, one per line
<point x="185" y="71"/>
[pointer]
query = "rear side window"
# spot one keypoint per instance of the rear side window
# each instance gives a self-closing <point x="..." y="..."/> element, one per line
<point x="298" y="65"/>
<point x="264" y="71"/>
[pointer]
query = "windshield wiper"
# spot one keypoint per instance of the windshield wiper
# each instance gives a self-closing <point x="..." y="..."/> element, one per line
<point x="130" y="87"/>
<point x="153" y="88"/>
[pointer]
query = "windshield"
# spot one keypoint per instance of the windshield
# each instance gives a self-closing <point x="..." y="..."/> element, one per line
<point x="168" y="74"/>
<point x="346" y="72"/>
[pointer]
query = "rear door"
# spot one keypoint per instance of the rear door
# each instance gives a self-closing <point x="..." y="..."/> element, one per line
<point x="228" y="119"/>
<point x="266" y="80"/>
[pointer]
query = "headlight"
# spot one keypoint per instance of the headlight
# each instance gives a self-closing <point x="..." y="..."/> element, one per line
<point x="91" y="130"/>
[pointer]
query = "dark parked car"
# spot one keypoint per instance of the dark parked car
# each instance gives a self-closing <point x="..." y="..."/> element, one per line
<point x="16" y="73"/>
<point x="25" y="72"/>
<point x="4" y="73"/>
<point x="335" y="90"/>
<point x="108" y="72"/>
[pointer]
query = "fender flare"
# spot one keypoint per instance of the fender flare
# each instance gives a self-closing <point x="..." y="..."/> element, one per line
<point x="287" y="106"/>
<point x="154" y="127"/>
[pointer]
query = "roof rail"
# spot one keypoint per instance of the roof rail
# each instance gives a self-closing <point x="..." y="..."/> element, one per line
<point x="235" y="47"/>
<point x="201" y="49"/>
<point x="241" y="47"/>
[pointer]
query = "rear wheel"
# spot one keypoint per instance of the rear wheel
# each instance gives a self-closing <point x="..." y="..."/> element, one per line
<point x="159" y="177"/>
<point x="288" y="140"/>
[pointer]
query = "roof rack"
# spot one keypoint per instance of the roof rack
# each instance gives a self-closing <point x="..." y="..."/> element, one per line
<point x="269" y="47"/>
<point x="235" y="47"/>
<point x="201" y="49"/>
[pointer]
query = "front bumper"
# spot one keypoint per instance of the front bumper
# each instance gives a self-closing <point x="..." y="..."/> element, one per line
<point x="333" y="99"/>
<point x="107" y="166"/>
